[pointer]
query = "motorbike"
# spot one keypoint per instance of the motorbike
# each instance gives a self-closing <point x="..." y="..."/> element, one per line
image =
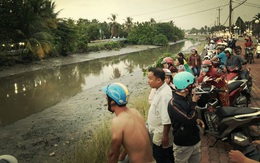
<point x="238" y="92"/>
<point x="249" y="54"/>
<point x="257" y="52"/>
<point x="209" y="55"/>
<point x="238" y="126"/>
<point x="233" y="74"/>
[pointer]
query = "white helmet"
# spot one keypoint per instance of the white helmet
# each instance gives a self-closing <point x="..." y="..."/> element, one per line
<point x="228" y="50"/>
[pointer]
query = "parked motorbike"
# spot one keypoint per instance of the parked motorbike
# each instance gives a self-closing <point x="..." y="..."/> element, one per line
<point x="233" y="74"/>
<point x="238" y="92"/>
<point x="249" y="54"/>
<point x="209" y="55"/>
<point x="257" y="52"/>
<point x="229" y="124"/>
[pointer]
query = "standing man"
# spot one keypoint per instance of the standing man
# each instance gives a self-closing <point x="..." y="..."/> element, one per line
<point x="128" y="127"/>
<point x="184" y="118"/>
<point x="158" y="118"/>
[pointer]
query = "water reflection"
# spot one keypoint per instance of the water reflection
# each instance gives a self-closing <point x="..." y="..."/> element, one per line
<point x="24" y="94"/>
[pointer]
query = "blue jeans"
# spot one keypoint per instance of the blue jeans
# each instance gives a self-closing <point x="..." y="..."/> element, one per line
<point x="196" y="71"/>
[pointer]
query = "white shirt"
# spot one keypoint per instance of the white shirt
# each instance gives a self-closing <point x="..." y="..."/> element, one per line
<point x="158" y="114"/>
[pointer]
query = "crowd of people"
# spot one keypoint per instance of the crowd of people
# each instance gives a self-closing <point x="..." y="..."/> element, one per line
<point x="173" y="123"/>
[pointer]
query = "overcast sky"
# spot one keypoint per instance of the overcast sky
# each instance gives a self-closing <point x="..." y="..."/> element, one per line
<point x="185" y="13"/>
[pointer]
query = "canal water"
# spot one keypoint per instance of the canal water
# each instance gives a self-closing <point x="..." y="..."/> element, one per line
<point x="24" y="94"/>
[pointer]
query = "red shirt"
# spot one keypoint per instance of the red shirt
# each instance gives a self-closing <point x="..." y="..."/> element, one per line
<point x="248" y="44"/>
<point x="214" y="74"/>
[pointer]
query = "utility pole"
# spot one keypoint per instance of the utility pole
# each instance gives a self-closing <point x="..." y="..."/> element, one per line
<point x="219" y="18"/>
<point x="230" y="12"/>
<point x="230" y="15"/>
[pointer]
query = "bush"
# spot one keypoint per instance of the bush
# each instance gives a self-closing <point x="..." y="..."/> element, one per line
<point x="104" y="46"/>
<point x="160" y="40"/>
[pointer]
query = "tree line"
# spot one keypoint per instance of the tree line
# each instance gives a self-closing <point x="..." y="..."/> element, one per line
<point x="239" y="24"/>
<point x="32" y="29"/>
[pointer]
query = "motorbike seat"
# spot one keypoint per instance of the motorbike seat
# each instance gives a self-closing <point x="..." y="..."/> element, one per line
<point x="234" y="85"/>
<point x="229" y="111"/>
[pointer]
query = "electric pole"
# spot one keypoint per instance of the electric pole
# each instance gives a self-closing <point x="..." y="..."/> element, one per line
<point x="219" y="18"/>
<point x="230" y="15"/>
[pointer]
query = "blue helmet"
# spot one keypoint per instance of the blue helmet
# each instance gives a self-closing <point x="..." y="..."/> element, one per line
<point x="183" y="79"/>
<point x="118" y="92"/>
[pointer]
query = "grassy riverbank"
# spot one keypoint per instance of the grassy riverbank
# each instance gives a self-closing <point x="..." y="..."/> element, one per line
<point x="96" y="148"/>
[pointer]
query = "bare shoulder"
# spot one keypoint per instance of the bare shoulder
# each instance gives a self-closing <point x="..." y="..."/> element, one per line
<point x="134" y="111"/>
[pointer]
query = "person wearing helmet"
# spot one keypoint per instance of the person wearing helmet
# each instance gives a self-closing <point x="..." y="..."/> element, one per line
<point x="217" y="78"/>
<point x="8" y="159"/>
<point x="168" y="78"/>
<point x="194" y="61"/>
<point x="167" y="62"/>
<point x="158" y="120"/>
<point x="221" y="56"/>
<point x="234" y="62"/>
<point x="184" y="119"/>
<point x="128" y="127"/>
<point x="212" y="45"/>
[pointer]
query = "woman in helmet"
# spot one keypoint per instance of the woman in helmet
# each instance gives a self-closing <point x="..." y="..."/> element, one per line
<point x="168" y="78"/>
<point x="167" y="62"/>
<point x="217" y="79"/>
<point x="128" y="127"/>
<point x="194" y="61"/>
<point x="184" y="118"/>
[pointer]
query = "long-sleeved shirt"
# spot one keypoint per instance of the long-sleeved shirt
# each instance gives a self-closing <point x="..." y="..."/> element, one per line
<point x="214" y="74"/>
<point x="194" y="60"/>
<point x="235" y="61"/>
<point x="183" y="117"/>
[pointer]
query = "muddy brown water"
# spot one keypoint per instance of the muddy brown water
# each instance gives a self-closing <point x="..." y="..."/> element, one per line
<point x="24" y="94"/>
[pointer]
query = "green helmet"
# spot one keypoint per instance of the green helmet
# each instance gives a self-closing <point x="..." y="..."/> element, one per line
<point x="183" y="79"/>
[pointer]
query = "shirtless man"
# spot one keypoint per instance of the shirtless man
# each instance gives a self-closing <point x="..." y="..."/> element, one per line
<point x="128" y="127"/>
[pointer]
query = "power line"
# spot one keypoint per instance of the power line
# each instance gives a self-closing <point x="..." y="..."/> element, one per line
<point x="166" y="9"/>
<point x="248" y="3"/>
<point x="193" y="13"/>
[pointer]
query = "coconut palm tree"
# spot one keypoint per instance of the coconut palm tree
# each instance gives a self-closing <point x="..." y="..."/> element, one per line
<point x="152" y="22"/>
<point x="257" y="16"/>
<point x="37" y="22"/>
<point x="114" y="25"/>
<point x="128" y="24"/>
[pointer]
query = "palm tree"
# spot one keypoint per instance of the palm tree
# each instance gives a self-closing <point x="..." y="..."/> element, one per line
<point x="257" y="16"/>
<point x="128" y="24"/>
<point x="152" y="21"/>
<point x="38" y="19"/>
<point x="114" y="25"/>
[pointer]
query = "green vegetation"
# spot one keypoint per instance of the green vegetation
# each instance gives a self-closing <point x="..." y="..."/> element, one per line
<point x="36" y="33"/>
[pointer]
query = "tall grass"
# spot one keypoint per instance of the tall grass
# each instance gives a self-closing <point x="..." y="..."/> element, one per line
<point x="95" y="150"/>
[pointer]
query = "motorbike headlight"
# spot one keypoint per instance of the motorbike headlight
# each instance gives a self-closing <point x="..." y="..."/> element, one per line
<point x="240" y="139"/>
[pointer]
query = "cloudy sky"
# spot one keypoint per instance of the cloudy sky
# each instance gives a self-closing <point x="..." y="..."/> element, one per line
<point x="185" y="13"/>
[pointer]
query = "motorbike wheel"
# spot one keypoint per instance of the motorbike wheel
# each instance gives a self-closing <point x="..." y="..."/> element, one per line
<point x="251" y="59"/>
